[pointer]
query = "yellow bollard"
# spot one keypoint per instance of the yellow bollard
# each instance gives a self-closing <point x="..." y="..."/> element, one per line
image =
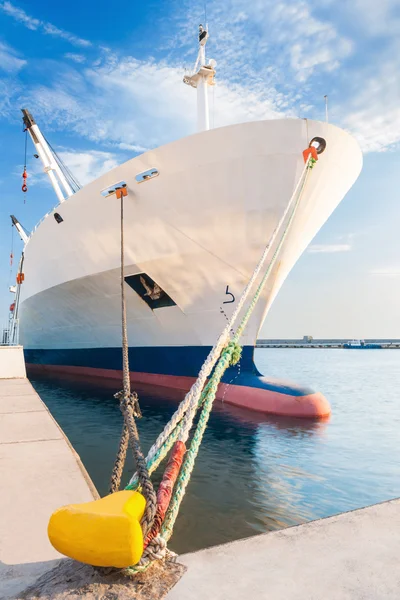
<point x="103" y="533"/>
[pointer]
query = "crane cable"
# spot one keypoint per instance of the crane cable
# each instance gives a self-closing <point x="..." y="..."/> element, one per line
<point x="74" y="183"/>
<point x="25" y="174"/>
<point x="11" y="254"/>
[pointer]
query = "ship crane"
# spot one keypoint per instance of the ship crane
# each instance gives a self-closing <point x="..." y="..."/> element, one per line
<point x="202" y="76"/>
<point x="57" y="178"/>
<point x="21" y="231"/>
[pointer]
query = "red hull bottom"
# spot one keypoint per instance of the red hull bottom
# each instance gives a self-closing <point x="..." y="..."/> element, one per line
<point x="260" y="399"/>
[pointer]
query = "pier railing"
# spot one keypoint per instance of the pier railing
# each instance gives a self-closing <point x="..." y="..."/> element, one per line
<point x="9" y="333"/>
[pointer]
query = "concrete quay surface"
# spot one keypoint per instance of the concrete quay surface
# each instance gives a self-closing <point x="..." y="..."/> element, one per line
<point x="12" y="363"/>
<point x="39" y="472"/>
<point x="352" y="556"/>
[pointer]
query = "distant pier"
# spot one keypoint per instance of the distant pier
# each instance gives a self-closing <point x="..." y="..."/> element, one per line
<point x="339" y="343"/>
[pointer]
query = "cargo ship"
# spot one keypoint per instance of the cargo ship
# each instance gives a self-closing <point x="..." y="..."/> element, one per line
<point x="198" y="214"/>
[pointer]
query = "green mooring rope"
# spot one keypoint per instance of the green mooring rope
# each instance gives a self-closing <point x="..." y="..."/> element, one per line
<point x="230" y="356"/>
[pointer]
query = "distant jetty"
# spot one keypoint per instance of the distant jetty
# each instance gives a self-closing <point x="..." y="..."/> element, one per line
<point x="310" y="342"/>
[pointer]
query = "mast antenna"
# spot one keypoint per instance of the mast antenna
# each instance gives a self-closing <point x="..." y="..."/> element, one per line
<point x="51" y="167"/>
<point x="202" y="76"/>
<point x="326" y="108"/>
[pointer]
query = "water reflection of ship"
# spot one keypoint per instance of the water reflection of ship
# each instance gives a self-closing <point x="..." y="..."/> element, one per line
<point x="291" y="425"/>
<point x="258" y="491"/>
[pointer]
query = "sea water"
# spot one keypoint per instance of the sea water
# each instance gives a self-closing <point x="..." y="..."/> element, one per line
<point x="256" y="473"/>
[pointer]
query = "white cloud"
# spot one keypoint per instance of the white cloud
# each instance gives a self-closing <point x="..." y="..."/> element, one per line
<point x="77" y="58"/>
<point x="50" y="29"/>
<point x="310" y="41"/>
<point x="266" y="39"/>
<point x="274" y="59"/>
<point x="373" y="114"/>
<point x="35" y="24"/>
<point x="377" y="18"/>
<point x="328" y="248"/>
<point x="8" y="89"/>
<point x="86" y="166"/>
<point x="10" y="64"/>
<point x="132" y="147"/>
<point x="302" y="45"/>
<point x="9" y="61"/>
<point x="143" y="104"/>
<point x="20" y="15"/>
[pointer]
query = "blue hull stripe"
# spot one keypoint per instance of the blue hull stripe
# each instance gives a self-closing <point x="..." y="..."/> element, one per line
<point x="165" y="360"/>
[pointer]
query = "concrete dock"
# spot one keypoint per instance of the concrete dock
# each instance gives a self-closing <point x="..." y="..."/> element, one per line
<point x="12" y="363"/>
<point x="39" y="471"/>
<point x="352" y="556"/>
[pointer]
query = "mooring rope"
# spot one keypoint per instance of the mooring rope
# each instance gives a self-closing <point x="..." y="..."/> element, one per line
<point x="130" y="409"/>
<point x="230" y="355"/>
<point x="188" y="406"/>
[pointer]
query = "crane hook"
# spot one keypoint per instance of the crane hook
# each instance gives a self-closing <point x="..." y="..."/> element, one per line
<point x="24" y="177"/>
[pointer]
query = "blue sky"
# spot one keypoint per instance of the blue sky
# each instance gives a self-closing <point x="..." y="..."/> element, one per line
<point x="104" y="82"/>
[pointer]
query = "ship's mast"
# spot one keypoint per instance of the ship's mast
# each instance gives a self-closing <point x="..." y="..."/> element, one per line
<point x="56" y="176"/>
<point x="202" y="77"/>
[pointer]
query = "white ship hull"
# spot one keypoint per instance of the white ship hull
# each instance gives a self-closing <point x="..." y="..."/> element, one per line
<point x="198" y="227"/>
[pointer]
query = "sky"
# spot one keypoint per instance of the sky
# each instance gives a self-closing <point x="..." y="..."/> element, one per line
<point x="104" y="82"/>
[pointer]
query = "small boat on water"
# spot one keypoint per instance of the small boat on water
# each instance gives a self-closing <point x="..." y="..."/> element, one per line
<point x="361" y="345"/>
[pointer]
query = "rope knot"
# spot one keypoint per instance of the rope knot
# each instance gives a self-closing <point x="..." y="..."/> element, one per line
<point x="155" y="550"/>
<point x="235" y="350"/>
<point x="129" y="401"/>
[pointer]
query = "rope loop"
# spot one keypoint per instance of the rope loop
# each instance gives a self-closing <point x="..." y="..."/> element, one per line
<point x="155" y="550"/>
<point x="131" y="401"/>
<point x="146" y="561"/>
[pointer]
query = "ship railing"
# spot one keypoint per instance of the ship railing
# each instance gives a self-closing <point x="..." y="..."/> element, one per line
<point x="9" y="334"/>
